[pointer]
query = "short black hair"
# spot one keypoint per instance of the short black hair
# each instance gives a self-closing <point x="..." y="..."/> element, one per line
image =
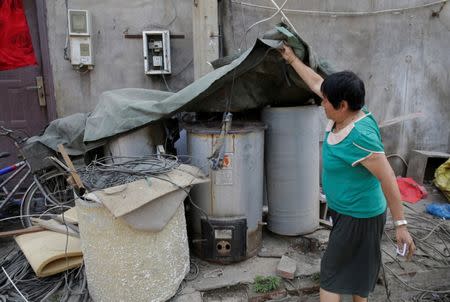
<point x="344" y="85"/>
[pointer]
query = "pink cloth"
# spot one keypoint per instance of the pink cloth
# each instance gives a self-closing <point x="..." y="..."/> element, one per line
<point x="410" y="190"/>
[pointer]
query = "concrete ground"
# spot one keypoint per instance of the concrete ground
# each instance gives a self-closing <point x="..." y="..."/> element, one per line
<point x="429" y="269"/>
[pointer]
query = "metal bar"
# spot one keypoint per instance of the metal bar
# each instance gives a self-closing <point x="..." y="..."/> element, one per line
<point x="28" y="230"/>
<point x="13" y="191"/>
<point x="172" y="36"/>
<point x="48" y="196"/>
<point x="21" y="167"/>
<point x="41" y="8"/>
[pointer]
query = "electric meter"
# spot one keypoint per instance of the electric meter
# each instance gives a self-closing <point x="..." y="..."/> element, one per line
<point x="156" y="52"/>
<point x="81" y="55"/>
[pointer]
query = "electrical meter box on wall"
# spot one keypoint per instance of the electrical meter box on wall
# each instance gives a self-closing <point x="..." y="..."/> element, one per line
<point x="80" y="39"/>
<point x="156" y="52"/>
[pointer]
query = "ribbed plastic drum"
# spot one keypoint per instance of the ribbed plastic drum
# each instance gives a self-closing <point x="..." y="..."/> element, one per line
<point x="292" y="169"/>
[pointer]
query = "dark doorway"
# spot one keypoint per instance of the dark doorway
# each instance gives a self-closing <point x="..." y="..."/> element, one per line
<point x="20" y="105"/>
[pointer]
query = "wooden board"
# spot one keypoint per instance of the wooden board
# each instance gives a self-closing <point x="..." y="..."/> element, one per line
<point x="13" y="233"/>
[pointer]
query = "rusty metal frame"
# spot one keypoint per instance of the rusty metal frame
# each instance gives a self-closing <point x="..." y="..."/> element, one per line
<point x="41" y="12"/>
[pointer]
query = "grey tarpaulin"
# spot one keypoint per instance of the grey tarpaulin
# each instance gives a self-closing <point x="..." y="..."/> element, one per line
<point x="256" y="78"/>
<point x="253" y="79"/>
<point x="68" y="131"/>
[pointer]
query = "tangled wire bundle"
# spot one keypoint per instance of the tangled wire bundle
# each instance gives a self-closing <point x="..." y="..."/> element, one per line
<point x="113" y="171"/>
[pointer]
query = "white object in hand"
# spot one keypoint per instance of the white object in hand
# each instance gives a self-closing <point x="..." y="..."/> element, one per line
<point x="404" y="251"/>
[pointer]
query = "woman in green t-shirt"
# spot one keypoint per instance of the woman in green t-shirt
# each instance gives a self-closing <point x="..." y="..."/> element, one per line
<point x="358" y="182"/>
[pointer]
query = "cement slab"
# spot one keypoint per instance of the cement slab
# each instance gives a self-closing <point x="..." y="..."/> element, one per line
<point x="273" y="245"/>
<point x="231" y="294"/>
<point x="214" y="276"/>
<point x="191" y="297"/>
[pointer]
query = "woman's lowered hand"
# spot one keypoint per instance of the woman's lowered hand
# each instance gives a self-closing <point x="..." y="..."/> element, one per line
<point x="403" y="237"/>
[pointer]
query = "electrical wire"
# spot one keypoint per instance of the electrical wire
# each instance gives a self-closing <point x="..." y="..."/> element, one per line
<point x="66" y="256"/>
<point x="267" y="19"/>
<point x="285" y="17"/>
<point x="393" y="258"/>
<point x="194" y="270"/>
<point x="413" y="287"/>
<point x="386" y="286"/>
<point x="175" y="15"/>
<point x="66" y="46"/>
<point x="227" y="115"/>
<point x="244" y="38"/>
<point x="341" y="13"/>
<point x="37" y="289"/>
<point x="183" y="69"/>
<point x="165" y="82"/>
<point x="228" y="104"/>
<point x="20" y="216"/>
<point x="426" y="230"/>
<point x="432" y="297"/>
<point x="243" y="25"/>
<point x="190" y="200"/>
<point x="433" y="230"/>
<point x="113" y="171"/>
<point x="399" y="156"/>
<point x="15" y="287"/>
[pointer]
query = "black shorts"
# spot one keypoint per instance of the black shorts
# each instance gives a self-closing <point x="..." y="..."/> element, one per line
<point x="352" y="260"/>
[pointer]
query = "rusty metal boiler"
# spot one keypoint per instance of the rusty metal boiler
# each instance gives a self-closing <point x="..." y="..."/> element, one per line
<point x="233" y="199"/>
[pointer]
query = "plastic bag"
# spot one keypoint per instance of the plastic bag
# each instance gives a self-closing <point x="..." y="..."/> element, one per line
<point x="441" y="210"/>
<point x="442" y="178"/>
<point x="410" y="190"/>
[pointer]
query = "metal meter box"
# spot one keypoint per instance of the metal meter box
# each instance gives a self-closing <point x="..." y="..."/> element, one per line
<point x="79" y="22"/>
<point x="157" y="52"/>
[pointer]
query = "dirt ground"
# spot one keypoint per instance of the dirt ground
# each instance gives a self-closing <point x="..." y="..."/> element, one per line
<point x="400" y="280"/>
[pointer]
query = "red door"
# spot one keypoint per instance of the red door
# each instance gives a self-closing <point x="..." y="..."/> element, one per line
<point x="20" y="106"/>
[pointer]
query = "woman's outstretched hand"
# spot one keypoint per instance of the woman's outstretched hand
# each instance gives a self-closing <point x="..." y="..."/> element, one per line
<point x="287" y="53"/>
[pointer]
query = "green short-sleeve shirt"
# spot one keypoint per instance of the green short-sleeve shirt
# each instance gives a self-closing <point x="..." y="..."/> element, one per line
<point x="349" y="187"/>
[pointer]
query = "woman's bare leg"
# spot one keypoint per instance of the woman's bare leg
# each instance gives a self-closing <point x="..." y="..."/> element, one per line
<point x="326" y="296"/>
<point x="357" y="298"/>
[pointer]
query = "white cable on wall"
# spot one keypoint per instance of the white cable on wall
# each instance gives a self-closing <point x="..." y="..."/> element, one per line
<point x="343" y="14"/>
<point x="267" y="19"/>
<point x="285" y="17"/>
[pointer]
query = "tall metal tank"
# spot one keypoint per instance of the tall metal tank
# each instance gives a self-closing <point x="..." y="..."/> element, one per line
<point x="292" y="169"/>
<point x="234" y="197"/>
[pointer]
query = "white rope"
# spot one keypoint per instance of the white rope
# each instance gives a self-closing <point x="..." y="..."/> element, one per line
<point x="267" y="19"/>
<point x="7" y="276"/>
<point x="341" y="13"/>
<point x="284" y="15"/>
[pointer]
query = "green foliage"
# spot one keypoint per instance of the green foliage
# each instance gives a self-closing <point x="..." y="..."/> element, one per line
<point x="315" y="277"/>
<point x="266" y="284"/>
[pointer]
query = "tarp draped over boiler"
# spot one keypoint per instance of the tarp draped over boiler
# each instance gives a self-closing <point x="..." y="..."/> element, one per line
<point x="256" y="78"/>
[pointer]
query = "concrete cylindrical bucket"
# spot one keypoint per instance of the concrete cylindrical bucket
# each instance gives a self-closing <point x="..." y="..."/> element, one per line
<point x="136" y="143"/>
<point x="123" y="264"/>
